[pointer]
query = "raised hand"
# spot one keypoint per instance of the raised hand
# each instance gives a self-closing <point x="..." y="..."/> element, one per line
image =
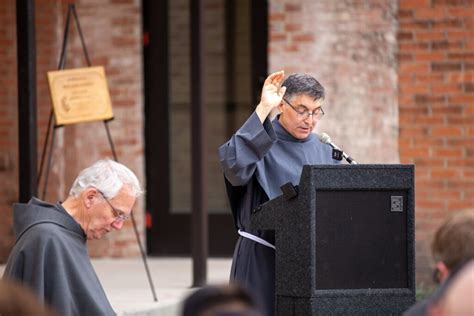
<point x="272" y="93"/>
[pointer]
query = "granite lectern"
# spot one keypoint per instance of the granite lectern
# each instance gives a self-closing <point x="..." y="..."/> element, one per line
<point x="344" y="241"/>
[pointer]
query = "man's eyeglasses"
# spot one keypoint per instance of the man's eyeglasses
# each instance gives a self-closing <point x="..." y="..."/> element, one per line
<point x="119" y="216"/>
<point x="304" y="113"/>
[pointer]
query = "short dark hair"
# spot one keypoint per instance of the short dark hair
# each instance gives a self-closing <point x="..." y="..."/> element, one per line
<point x="297" y="84"/>
<point x="220" y="300"/>
<point x="453" y="242"/>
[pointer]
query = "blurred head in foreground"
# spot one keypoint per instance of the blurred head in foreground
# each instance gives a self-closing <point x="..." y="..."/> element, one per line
<point x="224" y="300"/>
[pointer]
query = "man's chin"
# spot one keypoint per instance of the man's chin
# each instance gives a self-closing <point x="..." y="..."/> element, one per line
<point x="95" y="236"/>
<point x="302" y="135"/>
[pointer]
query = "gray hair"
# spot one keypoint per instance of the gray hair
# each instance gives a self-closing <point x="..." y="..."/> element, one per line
<point x="108" y="177"/>
<point x="298" y="84"/>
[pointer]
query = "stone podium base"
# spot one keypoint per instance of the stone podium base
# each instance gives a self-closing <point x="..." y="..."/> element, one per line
<point x="347" y="302"/>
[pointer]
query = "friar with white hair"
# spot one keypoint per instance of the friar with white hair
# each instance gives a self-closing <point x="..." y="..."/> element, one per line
<point x="50" y="252"/>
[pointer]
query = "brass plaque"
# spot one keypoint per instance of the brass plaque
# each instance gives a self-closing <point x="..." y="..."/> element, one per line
<point x="80" y="95"/>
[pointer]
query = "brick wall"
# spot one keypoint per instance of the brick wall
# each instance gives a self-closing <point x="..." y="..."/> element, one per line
<point x="392" y="68"/>
<point x="112" y="31"/>
<point x="436" y="75"/>
<point x="416" y="106"/>
<point x="350" y="47"/>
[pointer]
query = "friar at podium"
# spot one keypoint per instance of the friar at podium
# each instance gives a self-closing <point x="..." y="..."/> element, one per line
<point x="50" y="253"/>
<point x="258" y="159"/>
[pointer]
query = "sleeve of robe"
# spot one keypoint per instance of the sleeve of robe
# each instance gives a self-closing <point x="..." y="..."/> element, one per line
<point x="239" y="155"/>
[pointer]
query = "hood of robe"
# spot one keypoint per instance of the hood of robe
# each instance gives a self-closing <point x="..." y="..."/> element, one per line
<point x="36" y="211"/>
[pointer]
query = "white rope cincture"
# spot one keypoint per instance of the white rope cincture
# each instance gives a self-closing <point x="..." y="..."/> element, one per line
<point x="256" y="239"/>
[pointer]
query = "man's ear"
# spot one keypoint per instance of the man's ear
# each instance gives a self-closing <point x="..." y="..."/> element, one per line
<point x="88" y="197"/>
<point x="443" y="271"/>
<point x="280" y="106"/>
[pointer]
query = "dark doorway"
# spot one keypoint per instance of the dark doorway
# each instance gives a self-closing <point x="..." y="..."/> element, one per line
<point x="235" y="41"/>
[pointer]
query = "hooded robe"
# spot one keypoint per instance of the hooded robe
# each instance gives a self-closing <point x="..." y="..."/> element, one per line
<point x="50" y="256"/>
<point x="257" y="161"/>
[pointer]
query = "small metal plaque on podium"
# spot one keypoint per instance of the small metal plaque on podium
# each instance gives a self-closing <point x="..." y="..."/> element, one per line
<point x="80" y="95"/>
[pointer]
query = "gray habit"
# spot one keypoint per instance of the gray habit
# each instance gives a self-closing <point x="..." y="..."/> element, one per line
<point x="257" y="161"/>
<point x="50" y="256"/>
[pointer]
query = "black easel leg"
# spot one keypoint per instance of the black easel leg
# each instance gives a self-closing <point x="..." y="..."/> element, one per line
<point x="61" y="65"/>
<point x="142" y="251"/>
<point x="45" y="146"/>
<point x="145" y="263"/>
<point x="48" y="167"/>
<point x="79" y="30"/>
<point x="62" y="58"/>
<point x="111" y="143"/>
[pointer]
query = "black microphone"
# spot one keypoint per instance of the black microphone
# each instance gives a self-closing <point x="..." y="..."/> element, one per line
<point x="327" y="140"/>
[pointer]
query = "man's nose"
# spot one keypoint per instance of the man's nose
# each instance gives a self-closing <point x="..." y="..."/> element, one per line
<point x="309" y="120"/>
